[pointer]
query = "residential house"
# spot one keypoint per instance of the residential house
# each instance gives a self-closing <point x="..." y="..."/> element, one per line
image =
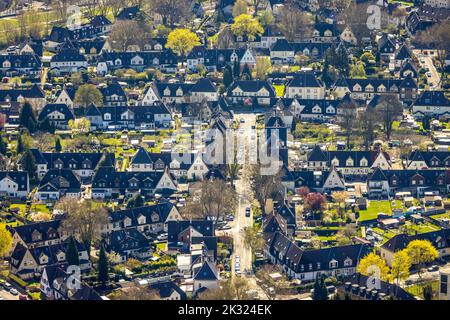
<point x="58" y="114"/>
<point x="57" y="183"/>
<point x="431" y="103"/>
<point x="305" y="85"/>
<point x="245" y="91"/>
<point x="306" y="265"/>
<point x="14" y="184"/>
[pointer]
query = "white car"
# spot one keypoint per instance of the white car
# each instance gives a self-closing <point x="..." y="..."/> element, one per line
<point x="14" y="292"/>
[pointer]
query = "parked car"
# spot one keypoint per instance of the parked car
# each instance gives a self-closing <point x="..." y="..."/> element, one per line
<point x="247" y="212"/>
<point x="7" y="286"/>
<point x="433" y="268"/>
<point x="14" y="292"/>
<point x="23" y="297"/>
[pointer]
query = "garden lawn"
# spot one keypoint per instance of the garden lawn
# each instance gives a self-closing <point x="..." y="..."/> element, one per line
<point x="374" y="208"/>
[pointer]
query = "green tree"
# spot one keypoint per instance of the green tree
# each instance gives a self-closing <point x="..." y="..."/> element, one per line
<point x="3" y="146"/>
<point x="72" y="253"/>
<point x="58" y="147"/>
<point x="246" y="73"/>
<point x="227" y="76"/>
<point x="182" y="41"/>
<point x="103" y="267"/>
<point x="47" y="126"/>
<point x="29" y="165"/>
<point x="357" y="70"/>
<point x="266" y="18"/>
<point x="27" y="119"/>
<point x="320" y="289"/>
<point x="245" y="25"/>
<point x="88" y="94"/>
<point x="20" y="147"/>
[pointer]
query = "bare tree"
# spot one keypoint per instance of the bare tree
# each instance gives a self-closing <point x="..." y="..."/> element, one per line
<point x="347" y="120"/>
<point x="367" y="121"/>
<point x="172" y="11"/>
<point x="389" y="108"/>
<point x="265" y="187"/>
<point x="236" y="289"/>
<point x="294" y="23"/>
<point x="84" y="219"/>
<point x="128" y="32"/>
<point x="216" y="199"/>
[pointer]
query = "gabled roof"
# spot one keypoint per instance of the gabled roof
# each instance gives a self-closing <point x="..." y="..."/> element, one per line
<point x="56" y="107"/>
<point x="432" y="98"/>
<point x="317" y="154"/>
<point x="207" y="272"/>
<point x="19" y="177"/>
<point x="305" y="80"/>
<point x="141" y="157"/>
<point x="165" y="289"/>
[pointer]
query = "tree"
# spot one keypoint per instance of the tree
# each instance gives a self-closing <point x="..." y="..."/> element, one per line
<point x="3" y="146"/>
<point x="264" y="187"/>
<point x="181" y="41"/>
<point x="271" y="286"/>
<point x="5" y="240"/>
<point x="27" y="119"/>
<point x="294" y="23"/>
<point x="20" y="147"/>
<point x="58" y="147"/>
<point x="320" y="289"/>
<point x="438" y="37"/>
<point x="47" y="126"/>
<point x="253" y="239"/>
<point x="240" y="7"/>
<point x="227" y="76"/>
<point x="303" y="192"/>
<point x="421" y="252"/>
<point x="136" y="202"/>
<point x="29" y="165"/>
<point x="103" y="267"/>
<point x="88" y="94"/>
<point x="245" y="25"/>
<point x="235" y="289"/>
<point x="72" y="253"/>
<point x="263" y="67"/>
<point x="389" y="108"/>
<point x="246" y="73"/>
<point x="80" y="125"/>
<point x="367" y="121"/>
<point x="316" y="202"/>
<point x="339" y="197"/>
<point x="357" y="70"/>
<point x="172" y="11"/>
<point x="373" y="265"/>
<point x="401" y="263"/>
<point x="427" y="292"/>
<point x="216" y="199"/>
<point x="347" y="120"/>
<point x="266" y="19"/>
<point x="84" y="220"/>
<point x="126" y="33"/>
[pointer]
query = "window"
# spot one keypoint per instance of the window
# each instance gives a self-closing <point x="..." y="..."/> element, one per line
<point x="444" y="283"/>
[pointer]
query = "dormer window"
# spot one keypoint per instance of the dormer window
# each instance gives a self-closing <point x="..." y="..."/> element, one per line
<point x="333" y="264"/>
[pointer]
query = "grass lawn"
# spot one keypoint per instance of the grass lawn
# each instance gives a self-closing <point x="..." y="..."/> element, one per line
<point x="374" y="208"/>
<point x="387" y="234"/>
<point x="417" y="289"/>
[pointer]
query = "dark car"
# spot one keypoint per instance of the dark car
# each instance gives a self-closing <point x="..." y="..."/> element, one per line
<point x="247" y="212"/>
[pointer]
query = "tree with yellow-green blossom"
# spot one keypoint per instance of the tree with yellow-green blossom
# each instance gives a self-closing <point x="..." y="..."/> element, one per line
<point x="245" y="25"/>
<point x="421" y="252"/>
<point x="182" y="41"/>
<point x="5" y="240"/>
<point x="373" y="265"/>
